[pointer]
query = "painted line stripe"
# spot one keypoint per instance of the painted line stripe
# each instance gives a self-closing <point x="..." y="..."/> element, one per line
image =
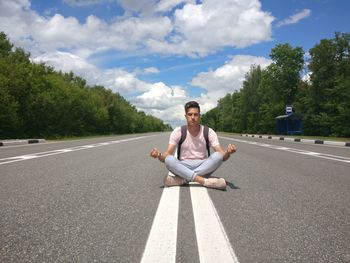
<point x="66" y="150"/>
<point x="161" y="243"/>
<point x="155" y="251"/>
<point x="213" y="243"/>
<point x="293" y="150"/>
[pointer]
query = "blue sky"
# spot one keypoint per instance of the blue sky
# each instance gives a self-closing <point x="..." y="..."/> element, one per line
<point x="159" y="54"/>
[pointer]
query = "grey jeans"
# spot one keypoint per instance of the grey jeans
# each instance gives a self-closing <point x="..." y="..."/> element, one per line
<point x="188" y="169"/>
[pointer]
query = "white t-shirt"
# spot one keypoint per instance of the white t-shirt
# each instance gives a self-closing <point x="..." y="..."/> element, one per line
<point x="194" y="147"/>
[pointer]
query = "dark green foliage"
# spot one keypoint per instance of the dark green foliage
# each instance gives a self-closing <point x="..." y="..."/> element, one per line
<point x="212" y="118"/>
<point x="35" y="101"/>
<point x="323" y="101"/>
<point x="326" y="99"/>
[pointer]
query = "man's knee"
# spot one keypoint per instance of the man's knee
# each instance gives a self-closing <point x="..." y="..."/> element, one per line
<point x="217" y="157"/>
<point x="170" y="161"/>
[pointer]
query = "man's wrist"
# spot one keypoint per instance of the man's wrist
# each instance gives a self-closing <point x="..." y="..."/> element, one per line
<point x="227" y="155"/>
<point x="160" y="156"/>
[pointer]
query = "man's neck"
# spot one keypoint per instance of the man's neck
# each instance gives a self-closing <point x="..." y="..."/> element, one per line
<point x="194" y="129"/>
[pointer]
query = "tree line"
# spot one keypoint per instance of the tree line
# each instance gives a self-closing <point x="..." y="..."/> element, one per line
<point x="37" y="101"/>
<point x="319" y="92"/>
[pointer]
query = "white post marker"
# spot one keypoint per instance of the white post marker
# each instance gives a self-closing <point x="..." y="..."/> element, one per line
<point x="213" y="243"/>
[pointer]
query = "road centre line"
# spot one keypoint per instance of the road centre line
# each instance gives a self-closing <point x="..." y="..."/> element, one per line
<point x="299" y="151"/>
<point x="157" y="248"/>
<point x="213" y="243"/>
<point x="162" y="239"/>
<point x="61" y="151"/>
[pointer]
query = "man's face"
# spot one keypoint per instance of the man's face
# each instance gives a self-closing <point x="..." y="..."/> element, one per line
<point x="193" y="116"/>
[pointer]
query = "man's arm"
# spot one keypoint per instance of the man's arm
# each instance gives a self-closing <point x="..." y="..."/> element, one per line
<point x="155" y="153"/>
<point x="231" y="148"/>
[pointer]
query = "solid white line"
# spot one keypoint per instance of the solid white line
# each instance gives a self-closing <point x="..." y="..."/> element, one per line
<point x="213" y="243"/>
<point x="161" y="243"/>
<point x="61" y="151"/>
<point x="293" y="150"/>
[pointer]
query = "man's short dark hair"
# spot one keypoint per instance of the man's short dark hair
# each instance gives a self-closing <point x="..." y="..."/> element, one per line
<point x="192" y="104"/>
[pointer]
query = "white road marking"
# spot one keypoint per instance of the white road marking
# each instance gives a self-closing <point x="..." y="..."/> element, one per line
<point x="213" y="243"/>
<point x="161" y="243"/>
<point x="61" y="151"/>
<point x="299" y="151"/>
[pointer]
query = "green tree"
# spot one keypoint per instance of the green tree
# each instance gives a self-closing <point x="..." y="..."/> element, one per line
<point x="280" y="81"/>
<point x="250" y="100"/>
<point x="225" y="109"/>
<point x="326" y="101"/>
<point x="36" y="100"/>
<point x="5" y="45"/>
<point x="211" y="118"/>
<point x="288" y="63"/>
<point x="237" y="119"/>
<point x="8" y="114"/>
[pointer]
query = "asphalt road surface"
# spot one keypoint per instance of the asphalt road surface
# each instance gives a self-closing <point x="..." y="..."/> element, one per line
<point x="103" y="200"/>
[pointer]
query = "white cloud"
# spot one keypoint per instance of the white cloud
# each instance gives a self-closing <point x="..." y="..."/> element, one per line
<point x="192" y="29"/>
<point x="16" y="19"/>
<point x="39" y="34"/>
<point x="151" y="70"/>
<point x="228" y="77"/>
<point x="167" y="102"/>
<point x="160" y="100"/>
<point x="163" y="101"/>
<point x="84" y="2"/>
<point x="150" y="7"/>
<point x="201" y="29"/>
<point x="161" y="96"/>
<point x="117" y="80"/>
<point x="9" y="8"/>
<point x="65" y="61"/>
<point x="168" y="5"/>
<point x="295" y="18"/>
<point x="135" y="30"/>
<point x="183" y="27"/>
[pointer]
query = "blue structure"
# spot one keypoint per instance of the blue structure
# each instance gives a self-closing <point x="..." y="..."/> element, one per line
<point x="289" y="124"/>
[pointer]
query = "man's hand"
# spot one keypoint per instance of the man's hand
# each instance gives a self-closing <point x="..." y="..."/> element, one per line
<point x="231" y="148"/>
<point x="155" y="153"/>
<point x="161" y="156"/>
